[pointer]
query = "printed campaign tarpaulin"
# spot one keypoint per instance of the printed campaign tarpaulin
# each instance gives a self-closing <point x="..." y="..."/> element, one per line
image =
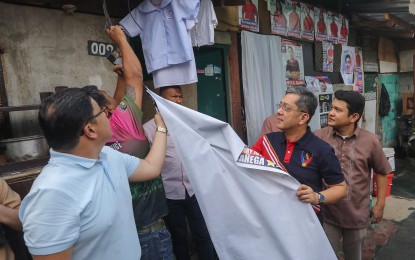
<point x="249" y="204"/>
<point x="248" y="16"/>
<point x="292" y="58"/>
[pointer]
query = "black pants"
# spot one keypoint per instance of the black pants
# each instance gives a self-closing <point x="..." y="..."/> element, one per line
<point x="179" y="211"/>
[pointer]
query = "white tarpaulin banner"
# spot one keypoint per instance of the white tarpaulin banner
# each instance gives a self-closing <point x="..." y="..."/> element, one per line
<point x="249" y="204"/>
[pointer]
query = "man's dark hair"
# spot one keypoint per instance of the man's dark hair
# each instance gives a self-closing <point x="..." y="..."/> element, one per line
<point x="62" y="117"/>
<point x="96" y="94"/>
<point x="307" y="101"/>
<point x="162" y="89"/>
<point x="354" y="100"/>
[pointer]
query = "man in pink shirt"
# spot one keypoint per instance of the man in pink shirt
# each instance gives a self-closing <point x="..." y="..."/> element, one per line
<point x="148" y="198"/>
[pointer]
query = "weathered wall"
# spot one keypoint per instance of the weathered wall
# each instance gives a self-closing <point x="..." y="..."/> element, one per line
<point x="46" y="48"/>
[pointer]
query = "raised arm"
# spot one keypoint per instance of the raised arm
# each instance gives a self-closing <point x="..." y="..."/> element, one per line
<point x="132" y="72"/>
<point x="150" y="167"/>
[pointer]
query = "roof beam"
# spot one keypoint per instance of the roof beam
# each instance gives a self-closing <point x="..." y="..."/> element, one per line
<point x="398" y="21"/>
<point x="379" y="6"/>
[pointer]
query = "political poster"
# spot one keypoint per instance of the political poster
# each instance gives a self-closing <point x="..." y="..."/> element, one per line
<point x="292" y="58"/>
<point x="344" y="30"/>
<point x="320" y="28"/>
<point x="307" y="21"/>
<point x="278" y="9"/>
<point x="319" y="84"/>
<point x="248" y="16"/>
<point x="294" y="21"/>
<point x="332" y="24"/>
<point x="347" y="64"/>
<point x="358" y="82"/>
<point x="328" y="56"/>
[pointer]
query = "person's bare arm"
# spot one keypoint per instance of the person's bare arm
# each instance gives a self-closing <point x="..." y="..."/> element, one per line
<point x="332" y="194"/>
<point x="150" y="167"/>
<point x="10" y="217"/>
<point x="377" y="211"/>
<point x="64" y="255"/>
<point x="132" y="72"/>
<point x="121" y="87"/>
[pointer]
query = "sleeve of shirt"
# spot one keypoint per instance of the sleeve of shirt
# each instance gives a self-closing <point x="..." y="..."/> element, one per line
<point x="259" y="146"/>
<point x="51" y="221"/>
<point x="187" y="9"/>
<point x="132" y="23"/>
<point x="8" y="197"/>
<point x="129" y="162"/>
<point x="380" y="163"/>
<point x="330" y="168"/>
<point x="150" y="130"/>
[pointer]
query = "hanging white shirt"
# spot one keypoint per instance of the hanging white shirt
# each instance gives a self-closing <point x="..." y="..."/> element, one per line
<point x="163" y="31"/>
<point x="204" y="31"/>
<point x="179" y="74"/>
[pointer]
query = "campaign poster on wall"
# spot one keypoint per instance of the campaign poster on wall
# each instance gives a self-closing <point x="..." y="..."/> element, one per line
<point x="325" y="105"/>
<point x="324" y="120"/>
<point x="278" y="18"/>
<point x="319" y="84"/>
<point x="248" y="16"/>
<point x="294" y="22"/>
<point x="358" y="71"/>
<point x="344" y="30"/>
<point x="320" y="28"/>
<point x="307" y="21"/>
<point x="323" y="89"/>
<point x="332" y="25"/>
<point x="292" y="58"/>
<point x="347" y="64"/>
<point x="328" y="56"/>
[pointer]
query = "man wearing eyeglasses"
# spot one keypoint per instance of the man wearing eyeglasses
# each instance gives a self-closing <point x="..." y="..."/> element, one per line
<point x="80" y="207"/>
<point x="307" y="158"/>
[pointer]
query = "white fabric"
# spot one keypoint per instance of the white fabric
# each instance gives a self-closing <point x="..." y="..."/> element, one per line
<point x="179" y="74"/>
<point x="250" y="213"/>
<point x="163" y="31"/>
<point x="204" y="31"/>
<point x="262" y="79"/>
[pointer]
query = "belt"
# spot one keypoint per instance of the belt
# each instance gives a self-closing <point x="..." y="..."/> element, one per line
<point x="156" y="225"/>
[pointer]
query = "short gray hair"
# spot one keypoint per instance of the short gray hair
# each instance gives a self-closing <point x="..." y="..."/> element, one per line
<point x="307" y="101"/>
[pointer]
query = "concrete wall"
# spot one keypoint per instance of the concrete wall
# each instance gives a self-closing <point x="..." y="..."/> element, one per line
<point x="45" y="48"/>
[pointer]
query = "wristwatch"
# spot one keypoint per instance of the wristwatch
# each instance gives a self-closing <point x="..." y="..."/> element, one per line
<point x="321" y="198"/>
<point x="161" y="129"/>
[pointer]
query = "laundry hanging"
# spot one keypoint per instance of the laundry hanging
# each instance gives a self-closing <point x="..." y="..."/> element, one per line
<point x="163" y="31"/>
<point x="204" y="31"/>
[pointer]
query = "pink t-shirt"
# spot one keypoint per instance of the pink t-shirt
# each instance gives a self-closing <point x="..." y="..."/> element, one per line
<point x="127" y="129"/>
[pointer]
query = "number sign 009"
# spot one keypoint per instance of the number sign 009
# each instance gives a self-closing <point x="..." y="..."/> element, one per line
<point x="99" y="48"/>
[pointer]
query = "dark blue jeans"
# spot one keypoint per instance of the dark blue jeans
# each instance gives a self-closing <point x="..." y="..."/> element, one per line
<point x="180" y="211"/>
<point x="156" y="244"/>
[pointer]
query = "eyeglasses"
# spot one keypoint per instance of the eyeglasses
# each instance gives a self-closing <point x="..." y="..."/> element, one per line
<point x="104" y="109"/>
<point x="288" y="109"/>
